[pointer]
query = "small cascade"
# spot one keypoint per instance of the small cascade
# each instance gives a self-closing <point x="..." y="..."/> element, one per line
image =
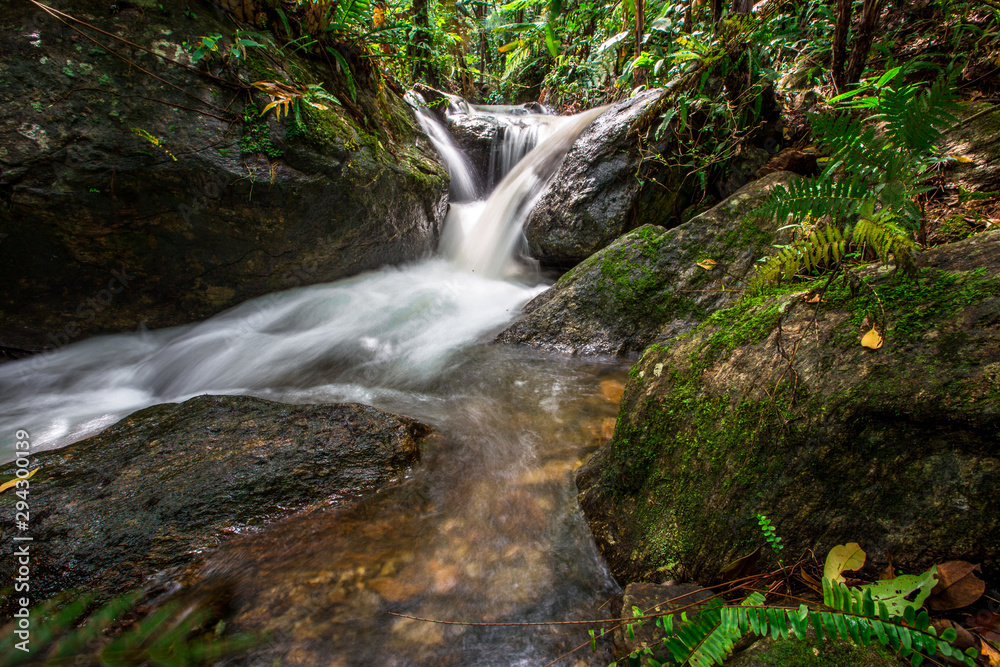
<point x="463" y="183"/>
<point x="483" y="238"/>
<point x="513" y="140"/>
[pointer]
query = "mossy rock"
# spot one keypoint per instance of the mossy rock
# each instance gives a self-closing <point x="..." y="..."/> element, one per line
<point x="647" y="285"/>
<point x="812" y="653"/>
<point x="773" y="406"/>
<point x="192" y="190"/>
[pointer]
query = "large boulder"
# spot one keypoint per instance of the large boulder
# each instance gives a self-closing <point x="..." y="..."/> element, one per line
<point x="128" y="201"/>
<point x="647" y="285"/>
<point x="591" y="201"/>
<point x="773" y="406"/>
<point x="152" y="492"/>
<point x="976" y="139"/>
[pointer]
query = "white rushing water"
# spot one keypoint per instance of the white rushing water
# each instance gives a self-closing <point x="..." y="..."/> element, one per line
<point x="377" y="333"/>
<point x="486" y="527"/>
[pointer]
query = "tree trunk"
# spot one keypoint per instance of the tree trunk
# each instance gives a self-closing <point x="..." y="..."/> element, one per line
<point x="863" y="42"/>
<point x="419" y="49"/>
<point x="639" y="75"/>
<point x="840" y="42"/>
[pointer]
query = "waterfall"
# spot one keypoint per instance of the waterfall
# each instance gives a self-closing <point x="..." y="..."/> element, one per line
<point x="463" y="184"/>
<point x="483" y="238"/>
<point x="486" y="526"/>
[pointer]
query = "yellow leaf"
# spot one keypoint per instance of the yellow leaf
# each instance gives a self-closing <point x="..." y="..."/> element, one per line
<point x="962" y="159"/>
<point x="12" y="483"/>
<point x="842" y="557"/>
<point x="707" y="264"/>
<point x="991" y="654"/>
<point x="872" y="340"/>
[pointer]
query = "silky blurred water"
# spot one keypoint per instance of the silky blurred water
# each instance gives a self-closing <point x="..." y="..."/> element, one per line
<point x="485" y="529"/>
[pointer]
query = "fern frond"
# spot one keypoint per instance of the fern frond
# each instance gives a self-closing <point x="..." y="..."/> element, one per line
<point x="814" y="198"/>
<point x="915" y="120"/>
<point x="851" y="614"/>
<point x="823" y="248"/>
<point x="881" y="233"/>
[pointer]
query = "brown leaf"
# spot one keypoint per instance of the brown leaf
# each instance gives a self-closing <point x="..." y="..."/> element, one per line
<point x="742" y="567"/>
<point x="872" y="340"/>
<point x="987" y="624"/>
<point x="814" y="299"/>
<point x="957" y="586"/>
<point x="707" y="264"/>
<point x="964" y="639"/>
<point x="810" y="581"/>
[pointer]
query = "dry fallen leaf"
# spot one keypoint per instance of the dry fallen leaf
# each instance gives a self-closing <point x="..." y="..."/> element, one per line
<point x="810" y="581"/>
<point x="814" y="299"/>
<point x="964" y="639"/>
<point x="707" y="264"/>
<point x="962" y="159"/>
<point x="957" y="586"/>
<point x="12" y="483"/>
<point x="872" y="340"/>
<point x="991" y="654"/>
<point x="843" y="557"/>
<point x="987" y="624"/>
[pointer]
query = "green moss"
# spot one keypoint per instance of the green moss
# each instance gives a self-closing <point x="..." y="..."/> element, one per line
<point x="914" y="306"/>
<point x="636" y="281"/>
<point x="256" y="134"/>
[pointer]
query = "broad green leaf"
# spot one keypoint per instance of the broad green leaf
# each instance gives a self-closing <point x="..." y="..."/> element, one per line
<point x="893" y="592"/>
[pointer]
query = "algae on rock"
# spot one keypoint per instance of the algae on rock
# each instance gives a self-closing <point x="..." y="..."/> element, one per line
<point x="773" y="406"/>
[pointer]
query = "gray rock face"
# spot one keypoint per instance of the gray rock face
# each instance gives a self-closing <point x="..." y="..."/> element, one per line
<point x="647" y="285"/>
<point x="591" y="200"/>
<point x="773" y="406"/>
<point x="151" y="492"/>
<point x="197" y="198"/>
<point x="977" y="137"/>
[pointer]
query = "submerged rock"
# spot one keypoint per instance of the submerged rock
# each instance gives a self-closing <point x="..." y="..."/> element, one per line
<point x="152" y="492"/>
<point x="647" y="285"/>
<point x="773" y="406"/>
<point x="125" y="201"/>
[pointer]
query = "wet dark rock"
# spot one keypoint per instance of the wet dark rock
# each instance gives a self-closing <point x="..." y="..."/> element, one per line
<point x="610" y="182"/>
<point x="592" y="199"/>
<point x="152" y="492"/>
<point x="652" y="598"/>
<point x="647" y="285"/>
<point x="222" y="209"/>
<point x="774" y="407"/>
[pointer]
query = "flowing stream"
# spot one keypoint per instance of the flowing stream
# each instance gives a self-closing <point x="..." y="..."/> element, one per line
<point x="485" y="529"/>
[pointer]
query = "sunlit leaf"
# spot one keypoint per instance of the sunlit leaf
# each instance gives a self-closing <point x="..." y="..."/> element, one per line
<point x="872" y="340"/>
<point x="895" y="593"/>
<point x="12" y="483"/>
<point x="707" y="264"/>
<point x="843" y="557"/>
